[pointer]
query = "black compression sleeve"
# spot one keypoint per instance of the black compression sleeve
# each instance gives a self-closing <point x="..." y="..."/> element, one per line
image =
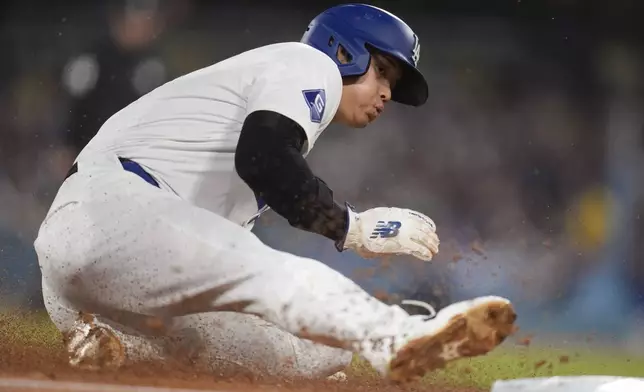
<point x="269" y="159"/>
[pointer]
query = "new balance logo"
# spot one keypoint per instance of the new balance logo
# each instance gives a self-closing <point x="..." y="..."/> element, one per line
<point x="386" y="229"/>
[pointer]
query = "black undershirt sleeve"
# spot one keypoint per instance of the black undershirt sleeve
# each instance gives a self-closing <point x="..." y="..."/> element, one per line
<point x="269" y="160"/>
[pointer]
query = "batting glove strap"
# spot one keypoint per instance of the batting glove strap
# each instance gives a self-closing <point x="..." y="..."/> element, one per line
<point x="352" y="231"/>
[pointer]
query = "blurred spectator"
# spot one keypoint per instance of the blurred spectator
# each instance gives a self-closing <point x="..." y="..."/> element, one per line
<point x="115" y="70"/>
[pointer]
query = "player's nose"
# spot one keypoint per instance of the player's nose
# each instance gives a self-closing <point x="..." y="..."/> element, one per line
<point x="385" y="93"/>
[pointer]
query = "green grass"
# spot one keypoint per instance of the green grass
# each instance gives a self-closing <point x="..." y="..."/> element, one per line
<point x="35" y="329"/>
<point x="29" y="329"/>
<point x="513" y="363"/>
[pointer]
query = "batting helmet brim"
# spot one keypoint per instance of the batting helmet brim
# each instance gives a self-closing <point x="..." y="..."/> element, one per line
<point x="412" y="87"/>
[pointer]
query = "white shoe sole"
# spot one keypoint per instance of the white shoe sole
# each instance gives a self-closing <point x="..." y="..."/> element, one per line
<point x="474" y="332"/>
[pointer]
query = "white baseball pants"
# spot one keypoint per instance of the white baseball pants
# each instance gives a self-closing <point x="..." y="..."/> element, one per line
<point x="154" y="266"/>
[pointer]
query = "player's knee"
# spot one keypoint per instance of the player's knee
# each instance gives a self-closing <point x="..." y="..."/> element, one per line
<point x="63" y="237"/>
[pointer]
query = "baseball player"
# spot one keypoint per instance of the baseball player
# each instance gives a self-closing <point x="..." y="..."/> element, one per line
<point x="147" y="250"/>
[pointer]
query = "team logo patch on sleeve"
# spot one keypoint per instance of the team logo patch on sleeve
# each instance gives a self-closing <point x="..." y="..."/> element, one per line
<point x="316" y="100"/>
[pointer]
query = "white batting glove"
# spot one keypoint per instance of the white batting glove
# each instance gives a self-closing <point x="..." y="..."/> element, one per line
<point x="385" y="231"/>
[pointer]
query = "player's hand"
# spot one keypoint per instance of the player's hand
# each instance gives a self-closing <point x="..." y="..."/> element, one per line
<point x="391" y="231"/>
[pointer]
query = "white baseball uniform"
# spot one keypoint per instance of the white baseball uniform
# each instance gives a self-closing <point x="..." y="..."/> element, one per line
<point x="114" y="245"/>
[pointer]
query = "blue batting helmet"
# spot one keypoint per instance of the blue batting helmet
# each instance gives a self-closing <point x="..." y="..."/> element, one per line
<point x="359" y="27"/>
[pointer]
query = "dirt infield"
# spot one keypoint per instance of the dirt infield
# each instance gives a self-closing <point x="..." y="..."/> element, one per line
<point x="39" y="363"/>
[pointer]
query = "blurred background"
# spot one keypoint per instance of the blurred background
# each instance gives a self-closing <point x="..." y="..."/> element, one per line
<point x="528" y="156"/>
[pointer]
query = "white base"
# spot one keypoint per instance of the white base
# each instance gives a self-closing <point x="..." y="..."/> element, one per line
<point x="571" y="384"/>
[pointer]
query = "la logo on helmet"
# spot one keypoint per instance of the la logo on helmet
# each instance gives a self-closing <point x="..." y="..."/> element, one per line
<point x="415" y="53"/>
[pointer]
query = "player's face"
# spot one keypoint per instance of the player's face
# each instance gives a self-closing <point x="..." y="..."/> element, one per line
<point x="364" y="98"/>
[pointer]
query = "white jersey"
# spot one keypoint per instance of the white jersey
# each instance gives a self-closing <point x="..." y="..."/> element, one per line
<point x="185" y="132"/>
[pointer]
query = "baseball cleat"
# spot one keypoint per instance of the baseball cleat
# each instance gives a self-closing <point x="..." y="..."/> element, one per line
<point x="93" y="347"/>
<point x="464" y="329"/>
